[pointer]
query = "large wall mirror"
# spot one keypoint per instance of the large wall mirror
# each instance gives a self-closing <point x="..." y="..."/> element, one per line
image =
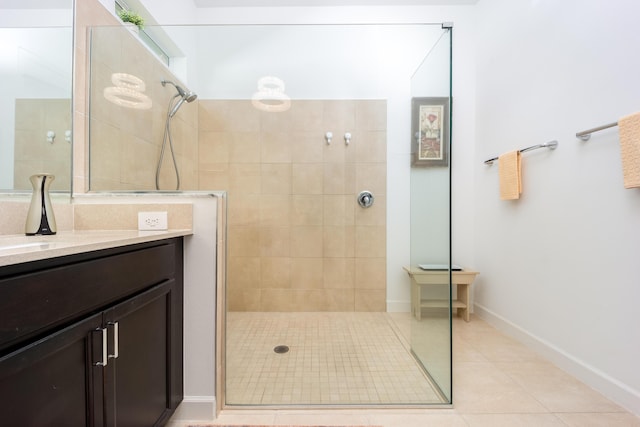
<point x="36" y="63"/>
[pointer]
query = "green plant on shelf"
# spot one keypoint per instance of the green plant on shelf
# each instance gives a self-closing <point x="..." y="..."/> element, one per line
<point x="132" y="17"/>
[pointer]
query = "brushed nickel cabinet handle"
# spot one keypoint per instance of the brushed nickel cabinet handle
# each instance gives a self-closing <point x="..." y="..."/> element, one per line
<point x="105" y="359"/>
<point x="116" y="335"/>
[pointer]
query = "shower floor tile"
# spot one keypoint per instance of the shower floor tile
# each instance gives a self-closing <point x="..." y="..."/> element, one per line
<point x="333" y="358"/>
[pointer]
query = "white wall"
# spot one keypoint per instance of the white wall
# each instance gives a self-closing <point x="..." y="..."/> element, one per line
<point x="18" y="18"/>
<point x="559" y="267"/>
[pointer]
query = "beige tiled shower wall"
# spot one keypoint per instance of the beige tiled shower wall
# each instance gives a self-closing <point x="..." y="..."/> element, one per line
<point x="125" y="143"/>
<point x="298" y="240"/>
<point x="33" y="153"/>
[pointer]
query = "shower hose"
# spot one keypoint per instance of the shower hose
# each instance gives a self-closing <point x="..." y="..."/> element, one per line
<point x="167" y="136"/>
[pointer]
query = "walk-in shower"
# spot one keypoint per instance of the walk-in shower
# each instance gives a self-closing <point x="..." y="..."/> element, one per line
<point x="174" y="105"/>
<point x="307" y="267"/>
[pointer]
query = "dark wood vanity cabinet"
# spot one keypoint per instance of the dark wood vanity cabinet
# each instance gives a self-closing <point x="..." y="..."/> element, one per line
<point x="93" y="339"/>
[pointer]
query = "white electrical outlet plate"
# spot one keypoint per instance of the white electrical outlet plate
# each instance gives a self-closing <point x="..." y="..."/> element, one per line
<point x="152" y="221"/>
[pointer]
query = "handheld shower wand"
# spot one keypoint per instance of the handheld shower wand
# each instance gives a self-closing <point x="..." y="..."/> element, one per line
<point x="184" y="95"/>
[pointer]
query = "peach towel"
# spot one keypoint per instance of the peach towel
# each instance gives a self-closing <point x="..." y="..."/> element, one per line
<point x="629" y="130"/>
<point x="509" y="170"/>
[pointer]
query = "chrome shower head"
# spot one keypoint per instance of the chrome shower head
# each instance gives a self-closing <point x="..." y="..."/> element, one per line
<point x="185" y="95"/>
<point x="190" y="96"/>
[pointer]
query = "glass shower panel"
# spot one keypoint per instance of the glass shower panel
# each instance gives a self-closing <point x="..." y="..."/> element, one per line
<point x="313" y="279"/>
<point x="134" y="143"/>
<point x="430" y="268"/>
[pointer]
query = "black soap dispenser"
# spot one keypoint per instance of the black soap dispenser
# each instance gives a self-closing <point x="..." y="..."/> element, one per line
<point x="40" y="218"/>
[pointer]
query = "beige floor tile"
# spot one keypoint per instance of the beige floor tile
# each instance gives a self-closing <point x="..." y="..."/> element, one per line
<point x="497" y="400"/>
<point x="497" y="381"/>
<point x="599" y="420"/>
<point x="464" y="352"/>
<point x="333" y="359"/>
<point x="499" y="348"/>
<point x="484" y="388"/>
<point x="512" y="420"/>
<point x="417" y="420"/>
<point x="267" y="418"/>
<point x="557" y="390"/>
<point x="322" y="418"/>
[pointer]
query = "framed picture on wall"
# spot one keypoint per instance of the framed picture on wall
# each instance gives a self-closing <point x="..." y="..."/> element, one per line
<point x="430" y="131"/>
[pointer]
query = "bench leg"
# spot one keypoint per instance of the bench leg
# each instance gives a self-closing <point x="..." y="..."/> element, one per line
<point x="415" y="300"/>
<point x="463" y="297"/>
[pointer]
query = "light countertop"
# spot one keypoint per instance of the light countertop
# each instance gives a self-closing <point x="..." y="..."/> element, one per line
<point x="17" y="249"/>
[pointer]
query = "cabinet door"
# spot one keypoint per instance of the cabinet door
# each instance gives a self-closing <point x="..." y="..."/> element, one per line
<point x="53" y="381"/>
<point x="137" y="377"/>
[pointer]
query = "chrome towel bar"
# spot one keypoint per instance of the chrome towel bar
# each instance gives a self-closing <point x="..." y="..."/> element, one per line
<point x="586" y="134"/>
<point x="550" y="145"/>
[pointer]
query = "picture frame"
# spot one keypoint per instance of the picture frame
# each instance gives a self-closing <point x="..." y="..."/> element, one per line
<point x="430" y="131"/>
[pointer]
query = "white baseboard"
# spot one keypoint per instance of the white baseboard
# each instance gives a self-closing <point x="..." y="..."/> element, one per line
<point x="398" y="307"/>
<point x="611" y="388"/>
<point x="196" y="408"/>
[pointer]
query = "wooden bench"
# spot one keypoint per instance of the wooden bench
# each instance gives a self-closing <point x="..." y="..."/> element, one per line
<point x="462" y="279"/>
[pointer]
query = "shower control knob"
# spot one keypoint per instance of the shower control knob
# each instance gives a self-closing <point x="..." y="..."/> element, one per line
<point x="328" y="136"/>
<point x="365" y="199"/>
